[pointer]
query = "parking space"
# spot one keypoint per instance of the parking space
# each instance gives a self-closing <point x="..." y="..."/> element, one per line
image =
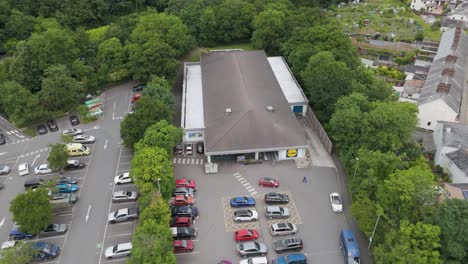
<point x="309" y="208"/>
<point x="119" y="232"/>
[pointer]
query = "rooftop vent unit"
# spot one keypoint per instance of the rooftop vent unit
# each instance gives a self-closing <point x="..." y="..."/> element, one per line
<point x="270" y="108"/>
<point x="228" y="110"/>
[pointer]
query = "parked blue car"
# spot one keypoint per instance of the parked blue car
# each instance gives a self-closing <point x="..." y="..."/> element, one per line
<point x="45" y="250"/>
<point x="16" y="234"/>
<point x="292" y="258"/>
<point x="242" y="201"/>
<point x="67" y="188"/>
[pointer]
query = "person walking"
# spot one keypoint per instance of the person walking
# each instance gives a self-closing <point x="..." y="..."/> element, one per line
<point x="304" y="180"/>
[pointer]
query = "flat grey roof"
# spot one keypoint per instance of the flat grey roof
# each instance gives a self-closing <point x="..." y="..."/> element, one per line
<point x="286" y="80"/>
<point x="192" y="107"/>
<point x="244" y="82"/>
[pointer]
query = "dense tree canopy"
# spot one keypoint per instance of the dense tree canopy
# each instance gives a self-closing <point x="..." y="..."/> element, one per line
<point x="162" y="135"/>
<point x="150" y="164"/>
<point x="19" y="104"/>
<point x="32" y="210"/>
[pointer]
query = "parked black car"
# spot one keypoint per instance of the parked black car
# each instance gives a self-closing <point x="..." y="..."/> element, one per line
<point x="183" y="232"/>
<point x="52" y="125"/>
<point x="41" y="129"/>
<point x="67" y="180"/>
<point x="185" y="211"/>
<point x="74" y="165"/>
<point x="74" y="120"/>
<point x="178" y="149"/>
<point x="2" y="139"/>
<point x="276" y="198"/>
<point x="139" y="87"/>
<point x="200" y="148"/>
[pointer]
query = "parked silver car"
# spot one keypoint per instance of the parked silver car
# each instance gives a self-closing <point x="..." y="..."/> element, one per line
<point x="119" y="250"/>
<point x="4" y="169"/>
<point x="276" y="212"/>
<point x="283" y="229"/>
<point x="124" y="196"/>
<point x="249" y="249"/>
<point x="54" y="229"/>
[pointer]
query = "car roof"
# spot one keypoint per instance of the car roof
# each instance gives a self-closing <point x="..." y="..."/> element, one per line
<point x="23" y="165"/>
<point x="295" y="257"/>
<point x="124" y="246"/>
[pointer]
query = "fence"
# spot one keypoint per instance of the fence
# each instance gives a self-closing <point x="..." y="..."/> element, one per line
<point x="312" y="120"/>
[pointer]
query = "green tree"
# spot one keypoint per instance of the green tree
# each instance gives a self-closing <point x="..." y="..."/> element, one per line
<point x="411" y="243"/>
<point x="366" y="82"/>
<point x="325" y="80"/>
<point x="406" y="193"/>
<point x="160" y="88"/>
<point x="59" y="90"/>
<point x="234" y="20"/>
<point x="19" y="25"/>
<point x="374" y="167"/>
<point x="452" y="218"/>
<point x="162" y="134"/>
<point x="149" y="165"/>
<point x="157" y="210"/>
<point x="365" y="212"/>
<point x="21" y="253"/>
<point x="19" y="104"/>
<point x="32" y="210"/>
<point x="152" y="244"/>
<point x="269" y="30"/>
<point x="58" y="157"/>
<point x="148" y="111"/>
<point x="39" y="52"/>
<point x="111" y="58"/>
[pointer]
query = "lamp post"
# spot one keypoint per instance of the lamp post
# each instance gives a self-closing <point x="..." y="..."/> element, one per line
<point x="356" y="167"/>
<point x="159" y="186"/>
<point x="373" y="231"/>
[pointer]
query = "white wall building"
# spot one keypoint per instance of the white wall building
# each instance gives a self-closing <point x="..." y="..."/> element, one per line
<point x="423" y="5"/>
<point x="451" y="144"/>
<point x="444" y="94"/>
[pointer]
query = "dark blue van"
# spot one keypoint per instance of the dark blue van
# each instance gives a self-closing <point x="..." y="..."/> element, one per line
<point x="350" y="247"/>
<point x="292" y="259"/>
<point x="16" y="234"/>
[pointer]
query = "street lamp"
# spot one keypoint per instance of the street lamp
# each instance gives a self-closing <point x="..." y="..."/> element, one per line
<point x="373" y="232"/>
<point x="356" y="167"/>
<point x="159" y="186"/>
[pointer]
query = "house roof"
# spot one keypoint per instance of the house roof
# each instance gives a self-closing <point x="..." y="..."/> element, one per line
<point x="238" y="86"/>
<point x="414" y="83"/>
<point x="460" y="158"/>
<point x="455" y="135"/>
<point x="446" y="76"/>
<point x="455" y="191"/>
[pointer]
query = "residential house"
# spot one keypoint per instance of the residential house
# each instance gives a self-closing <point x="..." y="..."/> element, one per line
<point x="423" y="5"/>
<point x="451" y="145"/>
<point x="444" y="96"/>
<point x="454" y="191"/>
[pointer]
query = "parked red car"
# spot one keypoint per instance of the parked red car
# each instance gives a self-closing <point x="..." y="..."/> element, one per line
<point x="268" y="182"/>
<point x="136" y="97"/>
<point x="181" y="221"/>
<point x="245" y="235"/>
<point x="181" y="200"/>
<point x="181" y="246"/>
<point x="186" y="183"/>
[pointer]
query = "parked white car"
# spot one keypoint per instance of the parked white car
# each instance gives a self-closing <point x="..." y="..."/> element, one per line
<point x="119" y="250"/>
<point x="245" y="215"/>
<point x="72" y="132"/>
<point x="254" y="260"/>
<point x="123" y="178"/>
<point x="336" y="203"/>
<point x="23" y="169"/>
<point x="83" y="139"/>
<point x="42" y="169"/>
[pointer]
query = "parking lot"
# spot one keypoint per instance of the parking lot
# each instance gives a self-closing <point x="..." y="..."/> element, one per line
<point x="309" y="208"/>
<point x="88" y="232"/>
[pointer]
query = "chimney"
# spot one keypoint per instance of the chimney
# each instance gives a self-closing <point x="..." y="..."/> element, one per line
<point x="443" y="88"/>
<point x="451" y="58"/>
<point x="448" y="72"/>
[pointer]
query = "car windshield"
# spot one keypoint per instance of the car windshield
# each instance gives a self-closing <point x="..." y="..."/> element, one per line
<point x="128" y="194"/>
<point x="183" y="243"/>
<point x="114" y="249"/>
<point x="336" y="200"/>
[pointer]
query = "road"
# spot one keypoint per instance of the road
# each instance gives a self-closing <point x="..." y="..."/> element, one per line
<point x="84" y="239"/>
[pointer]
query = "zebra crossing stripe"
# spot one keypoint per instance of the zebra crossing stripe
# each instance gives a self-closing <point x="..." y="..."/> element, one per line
<point x="245" y="184"/>
<point x="201" y="162"/>
<point x="192" y="161"/>
<point x="250" y="188"/>
<point x="8" y="132"/>
<point x="196" y="162"/>
<point x="183" y="161"/>
<point x="174" y="160"/>
<point x="252" y="193"/>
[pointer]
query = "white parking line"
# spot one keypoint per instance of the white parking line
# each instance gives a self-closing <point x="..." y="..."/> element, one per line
<point x="201" y="161"/>
<point x="126" y="234"/>
<point x="49" y="237"/>
<point x="174" y="160"/>
<point x="188" y="253"/>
